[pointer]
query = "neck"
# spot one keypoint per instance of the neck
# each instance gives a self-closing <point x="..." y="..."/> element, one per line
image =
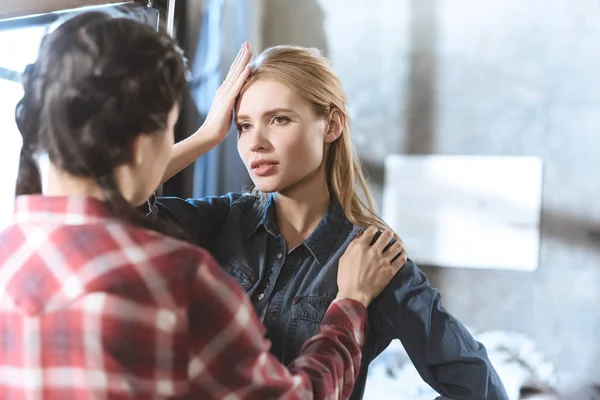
<point x="300" y="208"/>
<point x="61" y="183"/>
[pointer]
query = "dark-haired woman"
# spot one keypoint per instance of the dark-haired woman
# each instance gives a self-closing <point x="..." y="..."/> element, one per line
<point x="95" y="301"/>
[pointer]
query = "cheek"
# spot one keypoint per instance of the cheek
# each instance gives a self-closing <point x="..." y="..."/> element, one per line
<point x="241" y="148"/>
<point x="158" y="161"/>
<point x="308" y="151"/>
<point x="298" y="143"/>
<point x="164" y="151"/>
<point x="169" y="139"/>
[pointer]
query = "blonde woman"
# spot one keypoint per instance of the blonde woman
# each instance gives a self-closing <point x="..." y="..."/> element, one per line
<point x="283" y="242"/>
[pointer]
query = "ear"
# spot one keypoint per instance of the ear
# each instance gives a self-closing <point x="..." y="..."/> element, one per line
<point x="335" y="126"/>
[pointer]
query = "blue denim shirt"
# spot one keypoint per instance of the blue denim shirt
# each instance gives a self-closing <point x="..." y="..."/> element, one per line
<point x="292" y="288"/>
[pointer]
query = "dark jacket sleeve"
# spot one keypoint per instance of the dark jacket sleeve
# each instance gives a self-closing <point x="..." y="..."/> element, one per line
<point x="445" y="354"/>
<point x="201" y="218"/>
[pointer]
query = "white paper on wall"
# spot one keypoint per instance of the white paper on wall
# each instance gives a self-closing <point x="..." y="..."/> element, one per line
<point x="466" y="211"/>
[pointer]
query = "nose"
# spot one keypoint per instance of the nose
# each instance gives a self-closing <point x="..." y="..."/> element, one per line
<point x="259" y="142"/>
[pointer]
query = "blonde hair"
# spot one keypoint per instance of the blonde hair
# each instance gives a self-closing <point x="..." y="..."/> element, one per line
<point x="308" y="73"/>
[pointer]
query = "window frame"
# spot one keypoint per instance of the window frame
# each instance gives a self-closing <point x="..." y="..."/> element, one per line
<point x="45" y="12"/>
<point x="16" y="9"/>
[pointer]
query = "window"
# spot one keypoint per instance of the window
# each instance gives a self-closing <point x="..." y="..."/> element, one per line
<point x="18" y="47"/>
<point x="19" y="43"/>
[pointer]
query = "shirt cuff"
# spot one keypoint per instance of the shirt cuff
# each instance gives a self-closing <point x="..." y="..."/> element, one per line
<point x="350" y="314"/>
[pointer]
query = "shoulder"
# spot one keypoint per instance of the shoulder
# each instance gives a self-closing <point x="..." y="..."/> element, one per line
<point x="136" y="257"/>
<point x="229" y="200"/>
<point x="175" y="258"/>
<point x="158" y="246"/>
<point x="195" y="213"/>
<point x="232" y="199"/>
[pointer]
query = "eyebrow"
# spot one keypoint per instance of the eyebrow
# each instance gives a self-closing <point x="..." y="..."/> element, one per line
<point x="267" y="113"/>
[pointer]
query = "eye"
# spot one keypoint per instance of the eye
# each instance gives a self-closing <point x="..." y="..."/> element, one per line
<point x="280" y="120"/>
<point x="243" y="127"/>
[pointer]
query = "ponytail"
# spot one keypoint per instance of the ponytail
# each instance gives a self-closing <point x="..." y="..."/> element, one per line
<point x="28" y="179"/>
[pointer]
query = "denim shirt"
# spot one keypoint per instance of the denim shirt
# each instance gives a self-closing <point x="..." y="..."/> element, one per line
<point x="292" y="288"/>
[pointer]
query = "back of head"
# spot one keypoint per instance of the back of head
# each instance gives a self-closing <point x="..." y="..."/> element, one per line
<point x="309" y="74"/>
<point x="98" y="83"/>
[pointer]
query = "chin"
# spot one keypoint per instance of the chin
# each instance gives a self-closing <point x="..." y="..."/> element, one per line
<point x="267" y="189"/>
<point x="139" y="201"/>
<point x="141" y="197"/>
<point x="266" y="185"/>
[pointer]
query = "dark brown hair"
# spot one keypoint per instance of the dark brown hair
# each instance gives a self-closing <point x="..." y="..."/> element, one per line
<point x="98" y="82"/>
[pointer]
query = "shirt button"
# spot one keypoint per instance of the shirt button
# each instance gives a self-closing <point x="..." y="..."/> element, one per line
<point x="273" y="311"/>
<point x="261" y="296"/>
<point x="279" y="255"/>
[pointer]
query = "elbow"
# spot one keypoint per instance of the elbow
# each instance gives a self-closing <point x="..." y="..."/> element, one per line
<point x="475" y="380"/>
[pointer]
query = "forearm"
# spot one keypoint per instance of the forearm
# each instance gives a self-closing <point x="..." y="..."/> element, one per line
<point x="187" y="151"/>
<point x="326" y="368"/>
<point x="443" y="351"/>
<point x="329" y="362"/>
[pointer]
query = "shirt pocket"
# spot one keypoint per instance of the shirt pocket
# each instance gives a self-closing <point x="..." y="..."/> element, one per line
<point x="306" y="316"/>
<point x="241" y="273"/>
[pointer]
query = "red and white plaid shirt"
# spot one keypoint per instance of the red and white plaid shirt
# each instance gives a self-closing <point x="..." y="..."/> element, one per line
<point x="91" y="307"/>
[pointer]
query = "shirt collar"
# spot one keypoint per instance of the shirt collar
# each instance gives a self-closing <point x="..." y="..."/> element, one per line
<point x="321" y="241"/>
<point x="69" y="210"/>
<point x="262" y="218"/>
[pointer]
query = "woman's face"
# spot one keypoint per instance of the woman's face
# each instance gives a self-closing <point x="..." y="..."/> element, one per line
<point x="281" y="140"/>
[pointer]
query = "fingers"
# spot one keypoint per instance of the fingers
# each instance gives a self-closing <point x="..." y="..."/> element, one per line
<point x="239" y="83"/>
<point x="238" y="58"/>
<point x="399" y="260"/>
<point x="238" y="67"/>
<point x="367" y="235"/>
<point x="394" y="250"/>
<point x="244" y="59"/>
<point x="383" y="241"/>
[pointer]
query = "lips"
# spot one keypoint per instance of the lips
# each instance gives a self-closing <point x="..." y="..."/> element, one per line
<point x="263" y="167"/>
<point x="260" y="163"/>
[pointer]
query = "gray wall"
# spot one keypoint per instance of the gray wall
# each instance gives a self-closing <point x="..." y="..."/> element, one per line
<point x="497" y="77"/>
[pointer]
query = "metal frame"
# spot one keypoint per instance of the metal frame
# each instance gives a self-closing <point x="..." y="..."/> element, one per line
<point x="171" y="17"/>
<point x="49" y="18"/>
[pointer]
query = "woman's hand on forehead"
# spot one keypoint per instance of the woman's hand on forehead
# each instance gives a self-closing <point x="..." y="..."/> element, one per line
<point x="218" y="120"/>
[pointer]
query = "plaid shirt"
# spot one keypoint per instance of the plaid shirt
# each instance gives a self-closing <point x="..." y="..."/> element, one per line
<point x="91" y="307"/>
